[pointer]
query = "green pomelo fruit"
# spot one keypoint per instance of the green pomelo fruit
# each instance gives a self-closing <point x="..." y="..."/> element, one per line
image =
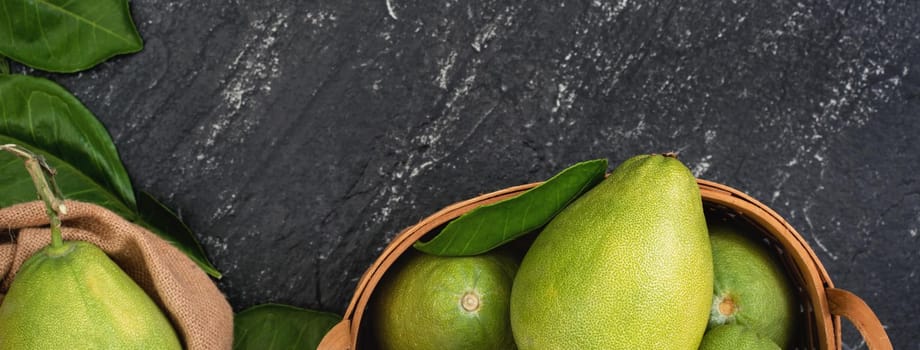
<point x="751" y="287"/>
<point x="626" y="266"/>
<point x="735" y="337"/>
<point x="444" y="303"/>
<point x="76" y="297"/>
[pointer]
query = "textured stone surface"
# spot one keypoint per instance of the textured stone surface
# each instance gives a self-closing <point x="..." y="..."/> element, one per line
<point x="297" y="138"/>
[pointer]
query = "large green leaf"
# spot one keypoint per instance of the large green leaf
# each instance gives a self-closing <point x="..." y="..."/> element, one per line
<point x="66" y="35"/>
<point x="41" y="116"/>
<point x="277" y="327"/>
<point x="490" y="226"/>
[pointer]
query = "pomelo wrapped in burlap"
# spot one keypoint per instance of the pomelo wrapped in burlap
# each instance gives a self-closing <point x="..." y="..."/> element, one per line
<point x="198" y="310"/>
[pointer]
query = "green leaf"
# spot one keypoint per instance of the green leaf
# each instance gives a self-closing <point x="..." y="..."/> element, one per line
<point x="275" y="326"/>
<point x="491" y="226"/>
<point x="66" y="35"/>
<point x="4" y="66"/>
<point x="158" y="218"/>
<point x="41" y="116"/>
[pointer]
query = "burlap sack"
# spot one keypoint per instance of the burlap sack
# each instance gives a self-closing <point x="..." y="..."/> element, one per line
<point x="199" y="312"/>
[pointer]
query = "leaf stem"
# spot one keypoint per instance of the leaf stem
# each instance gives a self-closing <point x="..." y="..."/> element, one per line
<point x="43" y="179"/>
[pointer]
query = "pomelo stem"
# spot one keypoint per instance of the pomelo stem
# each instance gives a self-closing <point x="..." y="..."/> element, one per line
<point x="43" y="179"/>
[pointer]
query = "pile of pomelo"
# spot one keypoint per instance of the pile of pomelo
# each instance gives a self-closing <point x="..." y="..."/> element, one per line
<point x="631" y="264"/>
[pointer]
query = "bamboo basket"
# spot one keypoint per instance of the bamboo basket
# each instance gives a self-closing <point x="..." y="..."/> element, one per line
<point x="823" y="303"/>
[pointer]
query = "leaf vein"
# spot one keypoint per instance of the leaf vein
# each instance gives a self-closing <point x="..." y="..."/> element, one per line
<point x="9" y="23"/>
<point x="76" y="16"/>
<point x="41" y="27"/>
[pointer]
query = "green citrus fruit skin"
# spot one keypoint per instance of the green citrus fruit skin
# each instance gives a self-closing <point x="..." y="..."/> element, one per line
<point x="626" y="266"/>
<point x="78" y="298"/>
<point x="422" y="305"/>
<point x="750" y="288"/>
<point x="735" y="337"/>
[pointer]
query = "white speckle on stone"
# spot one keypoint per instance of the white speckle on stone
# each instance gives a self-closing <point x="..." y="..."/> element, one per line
<point x="259" y="63"/>
<point x="393" y="197"/>
<point x="565" y="97"/>
<point x="487" y="33"/>
<point x="320" y="19"/>
<point x="215" y="130"/>
<point x="218" y="243"/>
<point x="913" y="232"/>
<point x="811" y="228"/>
<point x="824" y="248"/>
<point x="428" y="138"/>
<point x="446" y="65"/>
<point x="702" y="166"/>
<point x="461" y="91"/>
<point x="710" y="135"/>
<point x="391" y="10"/>
<point x="227" y="208"/>
<point x="636" y="131"/>
<point x="421" y="167"/>
<point x="250" y="74"/>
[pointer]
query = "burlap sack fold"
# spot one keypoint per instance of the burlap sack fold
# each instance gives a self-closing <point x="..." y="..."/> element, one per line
<point x="198" y="310"/>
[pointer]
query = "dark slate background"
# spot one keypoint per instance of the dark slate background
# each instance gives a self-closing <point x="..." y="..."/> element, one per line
<point x="296" y="138"/>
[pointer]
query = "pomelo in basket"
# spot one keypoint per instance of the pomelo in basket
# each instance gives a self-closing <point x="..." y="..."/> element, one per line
<point x="433" y="302"/>
<point x="625" y="266"/>
<point x="735" y="337"/>
<point x="751" y="288"/>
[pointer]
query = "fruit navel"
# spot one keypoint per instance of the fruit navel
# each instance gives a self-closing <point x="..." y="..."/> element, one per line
<point x="727" y="307"/>
<point x="470" y="301"/>
<point x="724" y="307"/>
